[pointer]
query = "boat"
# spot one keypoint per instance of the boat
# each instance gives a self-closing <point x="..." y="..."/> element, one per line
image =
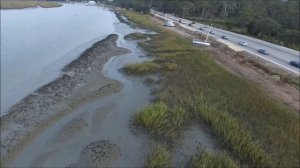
<point x="169" y="23"/>
<point x="195" y="41"/>
<point x="91" y="3"/>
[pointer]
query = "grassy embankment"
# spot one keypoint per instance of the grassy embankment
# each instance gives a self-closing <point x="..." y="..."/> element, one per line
<point x="253" y="128"/>
<point x="284" y="76"/>
<point x="20" y="4"/>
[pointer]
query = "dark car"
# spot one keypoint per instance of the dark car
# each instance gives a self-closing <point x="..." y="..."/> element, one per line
<point x="262" y="51"/>
<point x="224" y="37"/>
<point x="201" y="28"/>
<point x="295" y="64"/>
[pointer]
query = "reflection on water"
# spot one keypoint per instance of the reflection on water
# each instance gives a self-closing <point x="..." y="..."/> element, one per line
<point x="36" y="43"/>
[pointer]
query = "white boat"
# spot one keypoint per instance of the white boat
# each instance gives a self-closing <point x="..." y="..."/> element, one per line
<point x="203" y="42"/>
<point x="200" y="42"/>
<point x="91" y="3"/>
<point x="169" y="23"/>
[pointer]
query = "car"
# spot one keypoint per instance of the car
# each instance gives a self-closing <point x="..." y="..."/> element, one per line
<point x="262" y="51"/>
<point x="211" y="32"/>
<point x="201" y="28"/>
<point x="243" y="43"/>
<point x="295" y="64"/>
<point x="224" y="37"/>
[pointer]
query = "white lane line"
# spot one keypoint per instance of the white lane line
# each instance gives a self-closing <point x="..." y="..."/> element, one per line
<point x="274" y="62"/>
<point x="267" y="59"/>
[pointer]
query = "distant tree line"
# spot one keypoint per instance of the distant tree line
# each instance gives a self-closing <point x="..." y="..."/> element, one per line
<point x="273" y="20"/>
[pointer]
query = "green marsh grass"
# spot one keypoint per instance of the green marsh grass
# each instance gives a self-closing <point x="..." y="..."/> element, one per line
<point x="136" y="36"/>
<point x="204" y="159"/>
<point x="149" y="67"/>
<point x="253" y="127"/>
<point x="20" y="4"/>
<point x="159" y="158"/>
<point x="161" y="121"/>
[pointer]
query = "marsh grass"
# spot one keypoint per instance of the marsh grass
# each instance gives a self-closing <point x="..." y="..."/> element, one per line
<point x="232" y="134"/>
<point x="20" y="4"/>
<point x="253" y="127"/>
<point x="136" y="36"/>
<point x="160" y="157"/>
<point x="160" y="121"/>
<point x="48" y="4"/>
<point x="149" y="67"/>
<point x="146" y="67"/>
<point x="206" y="160"/>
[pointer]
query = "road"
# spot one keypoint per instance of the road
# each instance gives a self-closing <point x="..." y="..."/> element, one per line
<point x="279" y="55"/>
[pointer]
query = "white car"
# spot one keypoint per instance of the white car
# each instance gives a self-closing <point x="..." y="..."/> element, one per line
<point x="243" y="43"/>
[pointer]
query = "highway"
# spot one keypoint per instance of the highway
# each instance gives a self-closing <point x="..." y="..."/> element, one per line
<point x="279" y="55"/>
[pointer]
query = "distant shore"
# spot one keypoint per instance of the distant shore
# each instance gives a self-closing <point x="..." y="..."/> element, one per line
<point x="21" y="4"/>
<point x="81" y="81"/>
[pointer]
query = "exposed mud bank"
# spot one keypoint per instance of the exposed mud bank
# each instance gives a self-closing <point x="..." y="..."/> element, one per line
<point x="81" y="81"/>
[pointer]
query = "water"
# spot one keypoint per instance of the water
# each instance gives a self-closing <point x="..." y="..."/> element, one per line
<point x="106" y="118"/>
<point x="37" y="42"/>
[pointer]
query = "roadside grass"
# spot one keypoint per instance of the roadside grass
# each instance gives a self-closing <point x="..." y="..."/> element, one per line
<point x="136" y="36"/>
<point x="284" y="77"/>
<point x="160" y="121"/>
<point x="19" y="4"/>
<point x="204" y="159"/>
<point x="253" y="127"/>
<point x="160" y="157"/>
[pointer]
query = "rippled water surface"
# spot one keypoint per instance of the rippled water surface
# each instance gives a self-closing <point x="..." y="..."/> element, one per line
<point x="36" y="43"/>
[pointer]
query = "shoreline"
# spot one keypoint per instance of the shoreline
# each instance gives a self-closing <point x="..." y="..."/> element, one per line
<point x="17" y="4"/>
<point x="81" y="81"/>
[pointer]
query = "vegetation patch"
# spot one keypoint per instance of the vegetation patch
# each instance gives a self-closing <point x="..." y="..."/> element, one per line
<point x="206" y="160"/>
<point x="160" y="121"/>
<point x="20" y="4"/>
<point x="135" y="36"/>
<point x="253" y="127"/>
<point x="149" y="67"/>
<point x="159" y="158"/>
<point x="146" y="67"/>
<point x="235" y="138"/>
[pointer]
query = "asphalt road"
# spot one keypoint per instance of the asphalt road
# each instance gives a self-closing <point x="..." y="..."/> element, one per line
<point x="279" y="55"/>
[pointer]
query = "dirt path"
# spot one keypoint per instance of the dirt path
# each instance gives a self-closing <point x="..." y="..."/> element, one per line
<point x="227" y="58"/>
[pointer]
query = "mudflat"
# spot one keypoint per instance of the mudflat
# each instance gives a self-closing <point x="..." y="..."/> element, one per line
<point x="81" y="81"/>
